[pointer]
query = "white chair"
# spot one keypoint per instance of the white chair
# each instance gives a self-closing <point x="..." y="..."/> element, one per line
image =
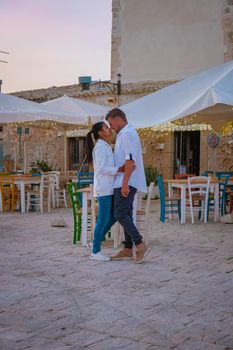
<point x="57" y="193"/>
<point x="198" y="189"/>
<point x="142" y="216"/>
<point x="42" y="196"/>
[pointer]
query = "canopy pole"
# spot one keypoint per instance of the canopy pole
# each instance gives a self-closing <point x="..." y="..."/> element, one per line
<point x="65" y="157"/>
<point x="181" y="146"/>
<point x="25" y="157"/>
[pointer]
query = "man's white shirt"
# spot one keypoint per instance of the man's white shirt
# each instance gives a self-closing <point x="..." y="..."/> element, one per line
<point x="128" y="143"/>
<point x="104" y="169"/>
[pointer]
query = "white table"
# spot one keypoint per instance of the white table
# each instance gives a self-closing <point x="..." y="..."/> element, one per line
<point x="86" y="195"/>
<point x="21" y="181"/>
<point x="183" y="186"/>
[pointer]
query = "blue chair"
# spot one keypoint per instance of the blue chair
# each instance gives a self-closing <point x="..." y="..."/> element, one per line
<point x="223" y="173"/>
<point x="207" y="173"/>
<point x="84" y="179"/>
<point x="222" y="195"/>
<point x="168" y="205"/>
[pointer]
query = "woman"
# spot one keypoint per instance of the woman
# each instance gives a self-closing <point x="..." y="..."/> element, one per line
<point x="99" y="152"/>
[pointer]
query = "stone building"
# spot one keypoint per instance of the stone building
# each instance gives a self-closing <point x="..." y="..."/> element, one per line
<point x="154" y="43"/>
<point x="156" y="40"/>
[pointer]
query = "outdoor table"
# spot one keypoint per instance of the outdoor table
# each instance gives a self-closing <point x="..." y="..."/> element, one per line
<point x="87" y="195"/>
<point x="183" y="186"/>
<point x="21" y="181"/>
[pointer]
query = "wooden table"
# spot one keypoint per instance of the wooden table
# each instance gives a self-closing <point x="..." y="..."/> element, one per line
<point x="182" y="184"/>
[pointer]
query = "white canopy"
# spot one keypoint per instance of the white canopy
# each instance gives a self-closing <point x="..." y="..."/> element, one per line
<point x="88" y="112"/>
<point x="189" y="96"/>
<point x="17" y="110"/>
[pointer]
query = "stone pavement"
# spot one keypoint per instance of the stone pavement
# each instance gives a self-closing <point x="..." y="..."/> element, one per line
<point x="54" y="297"/>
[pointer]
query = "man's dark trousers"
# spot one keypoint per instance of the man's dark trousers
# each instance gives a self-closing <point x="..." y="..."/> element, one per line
<point x="123" y="213"/>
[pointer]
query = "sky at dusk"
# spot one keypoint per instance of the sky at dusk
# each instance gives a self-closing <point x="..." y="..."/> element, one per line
<point x="53" y="42"/>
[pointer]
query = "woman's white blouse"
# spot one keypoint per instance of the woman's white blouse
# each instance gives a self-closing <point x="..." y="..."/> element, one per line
<point x="104" y="169"/>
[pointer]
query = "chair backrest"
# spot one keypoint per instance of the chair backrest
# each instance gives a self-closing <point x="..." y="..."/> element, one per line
<point x="85" y="178"/>
<point x="72" y="188"/>
<point x="207" y="173"/>
<point x="225" y="173"/>
<point x="183" y="176"/>
<point x="7" y="188"/>
<point x="161" y="189"/>
<point x="199" y="185"/>
<point x="45" y="182"/>
<point x="223" y="184"/>
<point x="55" y="180"/>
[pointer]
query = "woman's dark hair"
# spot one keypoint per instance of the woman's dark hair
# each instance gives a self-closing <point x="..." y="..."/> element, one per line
<point x="91" y="136"/>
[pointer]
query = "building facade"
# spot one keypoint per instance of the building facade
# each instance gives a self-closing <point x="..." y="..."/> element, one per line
<point x="154" y="43"/>
<point x="155" y="40"/>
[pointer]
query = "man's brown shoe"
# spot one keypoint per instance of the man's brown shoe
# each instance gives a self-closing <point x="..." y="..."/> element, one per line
<point x="123" y="254"/>
<point x="141" y="252"/>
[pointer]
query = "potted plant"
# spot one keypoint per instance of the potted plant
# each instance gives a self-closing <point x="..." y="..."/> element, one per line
<point x="151" y="174"/>
<point x="39" y="167"/>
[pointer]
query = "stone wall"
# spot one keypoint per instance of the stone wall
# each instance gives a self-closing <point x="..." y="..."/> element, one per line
<point x="162" y="159"/>
<point x="228" y="30"/>
<point x="164" y="40"/>
<point x="40" y="144"/>
<point x="219" y="158"/>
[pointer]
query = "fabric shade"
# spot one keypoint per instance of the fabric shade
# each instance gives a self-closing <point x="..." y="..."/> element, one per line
<point x="189" y="96"/>
<point x="77" y="109"/>
<point x="18" y="110"/>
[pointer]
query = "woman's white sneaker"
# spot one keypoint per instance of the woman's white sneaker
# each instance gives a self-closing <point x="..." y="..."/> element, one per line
<point x="99" y="257"/>
<point x="90" y="245"/>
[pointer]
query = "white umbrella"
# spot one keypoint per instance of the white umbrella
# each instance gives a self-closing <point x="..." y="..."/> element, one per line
<point x="89" y="112"/>
<point x="14" y="109"/>
<point x="185" y="98"/>
<point x="18" y="110"/>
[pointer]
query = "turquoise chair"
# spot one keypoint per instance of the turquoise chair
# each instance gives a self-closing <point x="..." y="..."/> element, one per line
<point x="168" y="205"/>
<point x="85" y="178"/>
<point x="207" y="173"/>
<point x="223" y="173"/>
<point x="222" y="195"/>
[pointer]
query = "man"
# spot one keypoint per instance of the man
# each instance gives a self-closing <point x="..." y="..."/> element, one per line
<point x="127" y="150"/>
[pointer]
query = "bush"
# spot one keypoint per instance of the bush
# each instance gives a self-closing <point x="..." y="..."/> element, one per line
<point x="151" y="174"/>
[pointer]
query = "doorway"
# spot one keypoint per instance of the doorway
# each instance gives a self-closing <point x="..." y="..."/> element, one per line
<point x="77" y="152"/>
<point x="187" y="152"/>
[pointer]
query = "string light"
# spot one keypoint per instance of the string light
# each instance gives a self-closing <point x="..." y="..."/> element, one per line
<point x="227" y="130"/>
<point x="160" y="131"/>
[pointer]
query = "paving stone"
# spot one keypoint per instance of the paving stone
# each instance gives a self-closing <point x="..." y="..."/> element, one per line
<point x="54" y="297"/>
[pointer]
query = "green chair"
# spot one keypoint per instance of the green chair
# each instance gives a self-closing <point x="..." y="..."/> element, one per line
<point x="77" y="211"/>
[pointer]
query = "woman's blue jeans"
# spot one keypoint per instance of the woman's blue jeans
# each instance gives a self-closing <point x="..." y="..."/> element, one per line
<point x="105" y="221"/>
